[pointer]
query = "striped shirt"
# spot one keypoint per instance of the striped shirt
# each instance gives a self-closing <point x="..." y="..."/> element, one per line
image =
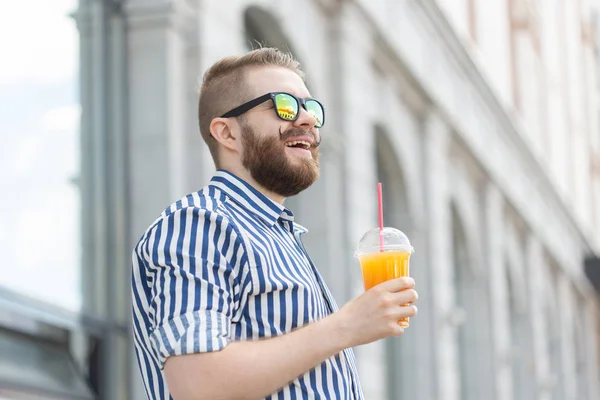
<point x="228" y="264"/>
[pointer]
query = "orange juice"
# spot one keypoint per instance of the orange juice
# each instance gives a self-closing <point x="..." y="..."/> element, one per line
<point x="383" y="266"/>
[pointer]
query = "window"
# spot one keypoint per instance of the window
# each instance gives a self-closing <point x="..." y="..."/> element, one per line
<point x="261" y="27"/>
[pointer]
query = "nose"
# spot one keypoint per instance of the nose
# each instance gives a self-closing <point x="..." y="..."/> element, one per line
<point x="307" y="121"/>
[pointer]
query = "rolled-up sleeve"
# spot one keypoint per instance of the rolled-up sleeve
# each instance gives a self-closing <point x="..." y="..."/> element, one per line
<point x="193" y="259"/>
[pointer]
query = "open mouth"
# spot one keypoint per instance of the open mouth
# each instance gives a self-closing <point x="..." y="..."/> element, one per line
<point x="299" y="144"/>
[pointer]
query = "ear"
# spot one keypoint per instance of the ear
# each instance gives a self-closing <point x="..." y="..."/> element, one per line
<point x="226" y="132"/>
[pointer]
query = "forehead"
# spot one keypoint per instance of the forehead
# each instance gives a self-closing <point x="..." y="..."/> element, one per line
<point x="263" y="80"/>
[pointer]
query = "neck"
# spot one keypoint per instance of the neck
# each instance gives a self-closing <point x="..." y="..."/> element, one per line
<point x="244" y="174"/>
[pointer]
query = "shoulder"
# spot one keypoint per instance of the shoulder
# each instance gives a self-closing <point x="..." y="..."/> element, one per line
<point x="207" y="205"/>
<point x="207" y="200"/>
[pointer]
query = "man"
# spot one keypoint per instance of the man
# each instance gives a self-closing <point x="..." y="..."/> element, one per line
<point x="227" y="304"/>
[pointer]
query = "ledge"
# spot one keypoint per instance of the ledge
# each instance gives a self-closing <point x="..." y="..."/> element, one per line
<point x="35" y="317"/>
<point x="180" y="15"/>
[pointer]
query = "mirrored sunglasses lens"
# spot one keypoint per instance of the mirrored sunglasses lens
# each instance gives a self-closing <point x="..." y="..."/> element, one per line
<point x="287" y="106"/>
<point x="316" y="111"/>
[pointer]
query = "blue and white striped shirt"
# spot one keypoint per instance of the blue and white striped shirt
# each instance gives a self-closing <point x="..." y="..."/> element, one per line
<point x="228" y="264"/>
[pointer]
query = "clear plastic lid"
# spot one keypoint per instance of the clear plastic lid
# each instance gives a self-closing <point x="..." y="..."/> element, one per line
<point x="393" y="240"/>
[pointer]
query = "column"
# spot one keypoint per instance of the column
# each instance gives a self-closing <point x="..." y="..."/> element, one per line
<point x="158" y="32"/>
<point x="536" y="300"/>
<point x="519" y="272"/>
<point x="500" y="317"/>
<point x="106" y="248"/>
<point x="439" y="261"/>
<point x="567" y="337"/>
<point x="360" y="184"/>
<point x="197" y="162"/>
<point x="591" y="328"/>
<point x="220" y="33"/>
<point x="91" y="22"/>
<point x="415" y="356"/>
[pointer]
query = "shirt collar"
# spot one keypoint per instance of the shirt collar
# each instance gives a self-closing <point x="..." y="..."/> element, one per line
<point x="251" y="199"/>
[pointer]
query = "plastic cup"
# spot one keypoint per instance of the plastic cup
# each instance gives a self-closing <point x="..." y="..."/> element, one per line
<point x="384" y="255"/>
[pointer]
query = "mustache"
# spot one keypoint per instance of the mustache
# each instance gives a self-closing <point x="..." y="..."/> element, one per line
<point x="294" y="132"/>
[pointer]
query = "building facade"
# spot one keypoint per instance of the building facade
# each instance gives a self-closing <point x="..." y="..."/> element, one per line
<point x="479" y="118"/>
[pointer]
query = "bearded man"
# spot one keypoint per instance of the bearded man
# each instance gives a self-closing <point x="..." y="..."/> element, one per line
<point x="226" y="301"/>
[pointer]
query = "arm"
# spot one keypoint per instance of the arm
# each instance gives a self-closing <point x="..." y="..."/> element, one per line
<point x="251" y="370"/>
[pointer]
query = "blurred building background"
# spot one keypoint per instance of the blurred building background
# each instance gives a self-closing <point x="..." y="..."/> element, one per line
<point x="481" y="118"/>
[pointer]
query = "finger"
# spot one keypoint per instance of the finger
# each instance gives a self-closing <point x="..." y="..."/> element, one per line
<point x="407" y="296"/>
<point x="407" y="311"/>
<point x="396" y="329"/>
<point x="398" y="284"/>
<point x="413" y="310"/>
<point x="400" y="312"/>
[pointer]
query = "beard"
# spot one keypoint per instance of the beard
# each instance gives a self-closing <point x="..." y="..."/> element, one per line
<point x="269" y="165"/>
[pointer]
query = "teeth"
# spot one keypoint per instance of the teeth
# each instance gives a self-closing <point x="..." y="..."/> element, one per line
<point x="302" y="142"/>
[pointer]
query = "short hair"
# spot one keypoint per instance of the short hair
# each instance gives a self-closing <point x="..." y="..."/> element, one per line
<point x="224" y="86"/>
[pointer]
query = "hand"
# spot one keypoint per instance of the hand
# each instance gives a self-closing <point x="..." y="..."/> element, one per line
<point x="374" y="314"/>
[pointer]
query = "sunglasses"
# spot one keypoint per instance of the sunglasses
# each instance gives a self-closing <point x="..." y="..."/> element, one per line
<point x="286" y="106"/>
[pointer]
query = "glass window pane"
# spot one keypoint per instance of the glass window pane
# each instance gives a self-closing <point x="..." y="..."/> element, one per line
<point x="39" y="206"/>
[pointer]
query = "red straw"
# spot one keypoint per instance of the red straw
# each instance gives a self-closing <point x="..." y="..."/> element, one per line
<point x="380" y="204"/>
